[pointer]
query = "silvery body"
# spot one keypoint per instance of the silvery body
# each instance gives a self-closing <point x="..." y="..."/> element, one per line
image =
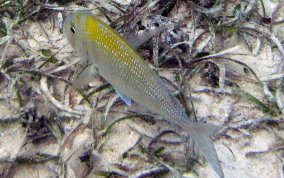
<point x="118" y="63"/>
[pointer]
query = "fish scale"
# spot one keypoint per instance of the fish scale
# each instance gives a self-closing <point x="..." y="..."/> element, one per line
<point x="118" y="63"/>
<point x="130" y="74"/>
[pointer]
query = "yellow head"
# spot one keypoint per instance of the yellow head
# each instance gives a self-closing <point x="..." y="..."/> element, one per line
<point x="87" y="35"/>
<point x="84" y="32"/>
<point x="74" y="29"/>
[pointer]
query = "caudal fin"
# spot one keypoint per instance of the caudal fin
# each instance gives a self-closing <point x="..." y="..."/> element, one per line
<point x="201" y="133"/>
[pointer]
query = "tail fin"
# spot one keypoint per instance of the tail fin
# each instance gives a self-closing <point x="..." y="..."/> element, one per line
<point x="201" y="133"/>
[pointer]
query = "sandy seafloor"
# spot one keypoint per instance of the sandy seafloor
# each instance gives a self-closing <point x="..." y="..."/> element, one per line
<point x="245" y="146"/>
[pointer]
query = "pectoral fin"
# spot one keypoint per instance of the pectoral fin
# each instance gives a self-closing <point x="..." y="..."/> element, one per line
<point x="124" y="98"/>
<point x="85" y="76"/>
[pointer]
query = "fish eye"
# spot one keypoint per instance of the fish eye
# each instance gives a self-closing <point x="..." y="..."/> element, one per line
<point x="73" y="30"/>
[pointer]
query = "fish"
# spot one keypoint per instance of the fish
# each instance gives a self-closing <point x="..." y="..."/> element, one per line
<point x="103" y="51"/>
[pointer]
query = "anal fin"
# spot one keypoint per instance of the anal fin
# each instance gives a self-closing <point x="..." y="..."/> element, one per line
<point x="124" y="98"/>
